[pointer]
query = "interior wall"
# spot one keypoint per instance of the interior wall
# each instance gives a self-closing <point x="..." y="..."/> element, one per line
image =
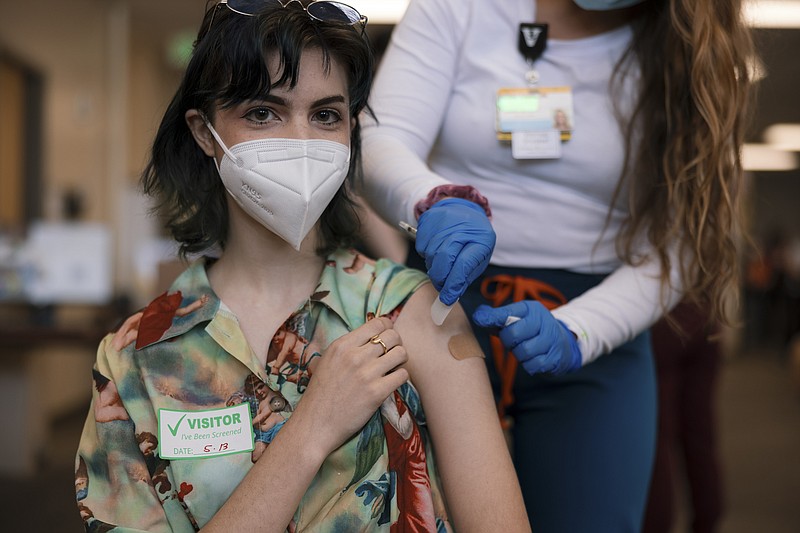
<point x="73" y="65"/>
<point x="774" y="194"/>
<point x="153" y="83"/>
<point x="106" y="85"/>
<point x="89" y="143"/>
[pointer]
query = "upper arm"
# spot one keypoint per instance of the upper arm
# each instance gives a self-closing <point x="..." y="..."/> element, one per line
<point x="421" y="59"/>
<point x="409" y="97"/>
<point x="473" y="459"/>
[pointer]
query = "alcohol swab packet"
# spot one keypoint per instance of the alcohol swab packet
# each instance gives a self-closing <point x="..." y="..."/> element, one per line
<point x="439" y="310"/>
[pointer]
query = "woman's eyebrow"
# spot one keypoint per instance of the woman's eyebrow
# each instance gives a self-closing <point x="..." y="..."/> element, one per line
<point x="338" y="99"/>
<point x="270" y="98"/>
<point x="278" y="100"/>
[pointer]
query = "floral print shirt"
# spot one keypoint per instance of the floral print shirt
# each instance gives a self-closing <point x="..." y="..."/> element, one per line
<point x="179" y="416"/>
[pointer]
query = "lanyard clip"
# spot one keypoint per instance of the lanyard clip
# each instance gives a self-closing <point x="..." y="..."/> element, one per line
<point x="532" y="43"/>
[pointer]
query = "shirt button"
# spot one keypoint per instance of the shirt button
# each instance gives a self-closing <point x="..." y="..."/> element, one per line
<point x="278" y="403"/>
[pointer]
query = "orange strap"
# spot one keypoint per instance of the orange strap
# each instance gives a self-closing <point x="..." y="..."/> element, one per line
<point x="497" y="290"/>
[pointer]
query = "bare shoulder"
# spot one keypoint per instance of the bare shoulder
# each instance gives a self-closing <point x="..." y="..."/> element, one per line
<point x="431" y="347"/>
<point x="415" y="320"/>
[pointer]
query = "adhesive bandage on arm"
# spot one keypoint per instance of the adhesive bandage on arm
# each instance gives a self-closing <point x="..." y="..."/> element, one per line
<point x="463" y="346"/>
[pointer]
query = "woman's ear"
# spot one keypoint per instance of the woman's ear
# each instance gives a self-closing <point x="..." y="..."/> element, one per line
<point x="200" y="132"/>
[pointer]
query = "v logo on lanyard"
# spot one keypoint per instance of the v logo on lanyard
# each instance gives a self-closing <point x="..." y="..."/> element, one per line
<point x="532" y="40"/>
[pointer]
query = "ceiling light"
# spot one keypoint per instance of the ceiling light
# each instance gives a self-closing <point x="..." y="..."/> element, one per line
<point x="772" y="13"/>
<point x="764" y="157"/>
<point x="783" y="137"/>
<point x="757" y="13"/>
<point x="382" y="12"/>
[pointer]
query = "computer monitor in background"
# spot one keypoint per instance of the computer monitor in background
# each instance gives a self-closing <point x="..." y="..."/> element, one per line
<point x="68" y="263"/>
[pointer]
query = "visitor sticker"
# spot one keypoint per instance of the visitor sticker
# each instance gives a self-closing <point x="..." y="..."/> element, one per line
<point x="209" y="433"/>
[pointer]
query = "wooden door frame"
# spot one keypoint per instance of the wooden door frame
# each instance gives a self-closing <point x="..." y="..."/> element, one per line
<point x="30" y="139"/>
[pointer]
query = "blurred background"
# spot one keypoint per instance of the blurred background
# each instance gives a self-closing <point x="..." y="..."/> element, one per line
<point x="83" y="85"/>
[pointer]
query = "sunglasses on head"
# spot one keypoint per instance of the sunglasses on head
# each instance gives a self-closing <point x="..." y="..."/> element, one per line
<point x="321" y="10"/>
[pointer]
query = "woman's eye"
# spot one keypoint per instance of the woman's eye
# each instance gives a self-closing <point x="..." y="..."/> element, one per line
<point x="259" y="114"/>
<point x="327" y="116"/>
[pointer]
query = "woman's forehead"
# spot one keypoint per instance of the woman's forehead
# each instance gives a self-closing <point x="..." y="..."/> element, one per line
<point x="311" y="58"/>
<point x="314" y="72"/>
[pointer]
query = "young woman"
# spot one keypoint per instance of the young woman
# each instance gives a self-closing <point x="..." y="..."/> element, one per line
<point x="284" y="379"/>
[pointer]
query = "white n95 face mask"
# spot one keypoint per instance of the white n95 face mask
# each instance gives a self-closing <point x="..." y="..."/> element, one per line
<point x="285" y="184"/>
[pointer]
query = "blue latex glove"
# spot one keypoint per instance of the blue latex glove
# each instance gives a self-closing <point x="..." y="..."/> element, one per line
<point x="456" y="239"/>
<point x="538" y="340"/>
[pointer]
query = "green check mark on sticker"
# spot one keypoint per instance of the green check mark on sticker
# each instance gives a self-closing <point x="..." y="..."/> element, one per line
<point x="174" y="430"/>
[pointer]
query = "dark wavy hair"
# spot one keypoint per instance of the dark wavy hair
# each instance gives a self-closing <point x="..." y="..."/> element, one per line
<point x="227" y="67"/>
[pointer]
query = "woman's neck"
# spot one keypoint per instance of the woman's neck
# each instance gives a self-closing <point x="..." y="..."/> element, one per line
<point x="263" y="280"/>
<point x="567" y="21"/>
<point x="258" y="266"/>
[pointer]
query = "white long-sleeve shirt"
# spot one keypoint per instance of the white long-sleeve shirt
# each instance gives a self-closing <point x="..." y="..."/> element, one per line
<point x="435" y="101"/>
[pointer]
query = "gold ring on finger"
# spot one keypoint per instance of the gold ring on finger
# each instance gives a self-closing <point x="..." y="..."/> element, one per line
<point x="375" y="339"/>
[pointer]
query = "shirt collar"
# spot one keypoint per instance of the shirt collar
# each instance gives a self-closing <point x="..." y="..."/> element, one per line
<point x="346" y="274"/>
<point x="357" y="288"/>
<point x="188" y="302"/>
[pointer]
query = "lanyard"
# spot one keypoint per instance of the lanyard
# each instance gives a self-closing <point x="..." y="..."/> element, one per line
<point x="532" y="42"/>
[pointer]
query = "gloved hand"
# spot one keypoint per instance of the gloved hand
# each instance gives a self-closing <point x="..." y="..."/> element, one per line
<point x="538" y="340"/>
<point x="456" y="239"/>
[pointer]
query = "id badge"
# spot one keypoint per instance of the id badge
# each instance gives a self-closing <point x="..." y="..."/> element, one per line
<point x="535" y="120"/>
